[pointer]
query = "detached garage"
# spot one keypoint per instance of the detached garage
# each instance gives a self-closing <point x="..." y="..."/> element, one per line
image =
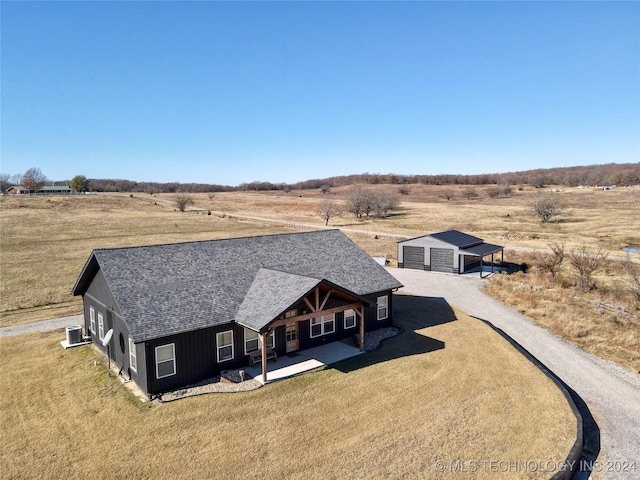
<point x="449" y="252"/>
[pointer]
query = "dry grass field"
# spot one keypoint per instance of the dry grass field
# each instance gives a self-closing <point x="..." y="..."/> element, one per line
<point x="447" y="388"/>
<point x="45" y="241"/>
<point x="604" y="321"/>
<point x="605" y="218"/>
<point x="595" y="218"/>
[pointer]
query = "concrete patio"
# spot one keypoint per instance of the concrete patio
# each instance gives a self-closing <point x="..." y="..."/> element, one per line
<point x="302" y="361"/>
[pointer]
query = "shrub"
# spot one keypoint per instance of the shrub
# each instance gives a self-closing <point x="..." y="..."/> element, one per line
<point x="545" y="207"/>
<point x="587" y="261"/>
<point x="183" y="201"/>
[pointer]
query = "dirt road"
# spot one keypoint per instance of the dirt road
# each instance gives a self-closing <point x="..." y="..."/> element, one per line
<point x="611" y="393"/>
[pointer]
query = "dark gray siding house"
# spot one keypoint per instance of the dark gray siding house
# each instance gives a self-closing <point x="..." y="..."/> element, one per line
<point x="451" y="251"/>
<point x="181" y="313"/>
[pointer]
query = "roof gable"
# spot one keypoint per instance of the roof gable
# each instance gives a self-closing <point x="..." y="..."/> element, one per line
<point x="270" y="294"/>
<point x="168" y="289"/>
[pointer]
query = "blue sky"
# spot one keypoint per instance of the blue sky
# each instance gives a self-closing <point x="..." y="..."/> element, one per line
<point x="231" y="92"/>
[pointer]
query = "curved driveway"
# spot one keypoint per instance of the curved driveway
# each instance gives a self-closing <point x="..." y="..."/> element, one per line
<point x="611" y="392"/>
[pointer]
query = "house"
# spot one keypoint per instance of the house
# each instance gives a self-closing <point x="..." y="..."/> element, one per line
<point x="45" y="190"/>
<point x="182" y="313"/>
<point x="451" y="251"/>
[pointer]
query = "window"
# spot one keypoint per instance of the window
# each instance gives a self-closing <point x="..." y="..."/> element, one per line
<point x="92" y="319"/>
<point x="224" y="340"/>
<point x="383" y="311"/>
<point x="349" y="319"/>
<point x="252" y="341"/>
<point x="322" y="325"/>
<point x="100" y="326"/>
<point x="133" y="359"/>
<point x="165" y="360"/>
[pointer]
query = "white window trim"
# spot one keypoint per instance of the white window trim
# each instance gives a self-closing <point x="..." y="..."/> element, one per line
<point x="100" y="326"/>
<point x="172" y="359"/>
<point x="133" y="356"/>
<point x="218" y="346"/>
<point x="384" y="305"/>
<point x="323" y="321"/>
<point x="347" y="315"/>
<point x="272" y="337"/>
<point x="92" y="320"/>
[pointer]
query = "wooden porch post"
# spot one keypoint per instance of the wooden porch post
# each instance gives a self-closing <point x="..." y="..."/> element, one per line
<point x="492" y="263"/>
<point x="263" y="343"/>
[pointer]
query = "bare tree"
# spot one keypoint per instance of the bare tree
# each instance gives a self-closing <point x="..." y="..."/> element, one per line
<point x="493" y="192"/>
<point x="383" y="202"/>
<point x="448" y="194"/>
<point x="326" y="188"/>
<point x="550" y="262"/>
<point x="633" y="271"/>
<point x="183" y="200"/>
<point x="328" y="209"/>
<point x="505" y="189"/>
<point x="545" y="207"/>
<point x="404" y="190"/>
<point x="5" y="181"/>
<point x="33" y="179"/>
<point x="469" y="193"/>
<point x="359" y="201"/>
<point x="587" y="261"/>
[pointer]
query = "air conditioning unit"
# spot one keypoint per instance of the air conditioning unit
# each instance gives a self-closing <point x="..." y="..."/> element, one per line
<point x="74" y="334"/>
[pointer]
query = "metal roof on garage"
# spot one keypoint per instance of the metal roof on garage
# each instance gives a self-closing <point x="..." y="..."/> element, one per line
<point x="481" y="250"/>
<point x="457" y="238"/>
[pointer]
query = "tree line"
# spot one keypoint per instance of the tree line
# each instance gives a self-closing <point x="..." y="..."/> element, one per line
<point x="607" y="174"/>
<point x="591" y="175"/>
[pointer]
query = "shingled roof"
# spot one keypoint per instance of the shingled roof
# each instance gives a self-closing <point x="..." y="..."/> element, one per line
<point x="162" y="290"/>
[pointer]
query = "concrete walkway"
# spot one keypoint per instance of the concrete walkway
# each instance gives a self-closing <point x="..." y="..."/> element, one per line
<point x="303" y="361"/>
<point x="612" y="393"/>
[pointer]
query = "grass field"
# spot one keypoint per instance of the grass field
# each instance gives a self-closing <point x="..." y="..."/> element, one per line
<point x="447" y="388"/>
<point x="45" y="241"/>
<point x="605" y="218"/>
<point x="604" y="321"/>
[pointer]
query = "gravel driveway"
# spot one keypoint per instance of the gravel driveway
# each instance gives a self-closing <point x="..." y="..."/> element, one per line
<point x="611" y="393"/>
<point x="42" y="326"/>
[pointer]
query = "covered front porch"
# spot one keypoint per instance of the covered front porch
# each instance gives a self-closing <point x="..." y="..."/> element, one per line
<point x="306" y="308"/>
<point x="302" y="361"/>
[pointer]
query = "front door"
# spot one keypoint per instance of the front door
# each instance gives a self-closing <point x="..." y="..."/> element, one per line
<point x="292" y="337"/>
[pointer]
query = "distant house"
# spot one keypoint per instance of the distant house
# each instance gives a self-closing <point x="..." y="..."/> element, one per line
<point x="45" y="190"/>
<point x="181" y="313"/>
<point x="451" y="251"/>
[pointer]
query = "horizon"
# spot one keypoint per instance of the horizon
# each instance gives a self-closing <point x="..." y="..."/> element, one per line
<point x="231" y="93"/>
<point x="50" y="181"/>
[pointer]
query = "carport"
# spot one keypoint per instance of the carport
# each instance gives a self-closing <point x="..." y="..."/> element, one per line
<point x="481" y="251"/>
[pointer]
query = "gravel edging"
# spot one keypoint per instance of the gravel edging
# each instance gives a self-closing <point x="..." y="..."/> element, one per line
<point x="234" y="384"/>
